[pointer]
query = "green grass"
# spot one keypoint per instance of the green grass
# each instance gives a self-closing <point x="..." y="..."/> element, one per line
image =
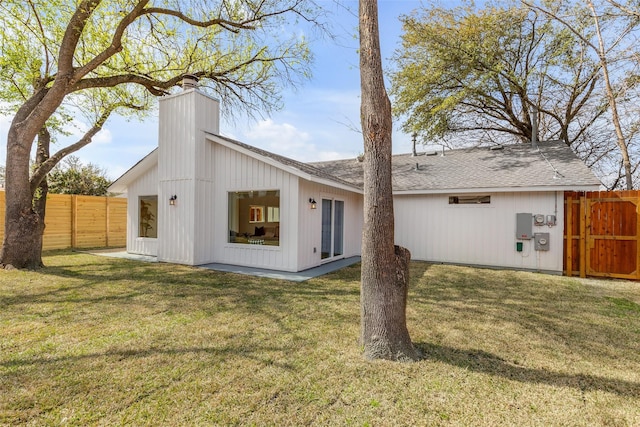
<point x="90" y="340"/>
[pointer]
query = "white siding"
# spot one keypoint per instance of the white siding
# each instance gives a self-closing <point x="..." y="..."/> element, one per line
<point x="434" y="230"/>
<point x="184" y="168"/>
<point x="235" y="171"/>
<point x="310" y="226"/>
<point x="146" y="185"/>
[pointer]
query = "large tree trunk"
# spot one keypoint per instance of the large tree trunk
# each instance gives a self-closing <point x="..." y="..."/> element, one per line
<point x="385" y="267"/>
<point x="24" y="213"/>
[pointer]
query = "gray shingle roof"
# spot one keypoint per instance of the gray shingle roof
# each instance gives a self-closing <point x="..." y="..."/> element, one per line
<point x="513" y="166"/>
<point x="473" y="169"/>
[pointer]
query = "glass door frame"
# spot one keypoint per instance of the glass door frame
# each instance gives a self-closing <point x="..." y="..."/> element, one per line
<point x="331" y="232"/>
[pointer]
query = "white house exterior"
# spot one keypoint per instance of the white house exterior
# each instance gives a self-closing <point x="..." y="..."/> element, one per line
<point x="481" y="234"/>
<point x="191" y="189"/>
<point x="203" y="198"/>
<point x="461" y="206"/>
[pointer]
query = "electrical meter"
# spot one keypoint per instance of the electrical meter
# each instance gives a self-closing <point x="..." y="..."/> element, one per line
<point x="541" y="241"/>
<point x="538" y="219"/>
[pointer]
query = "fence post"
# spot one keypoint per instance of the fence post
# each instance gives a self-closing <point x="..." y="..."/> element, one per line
<point x="637" y="194"/>
<point x="106" y="230"/>
<point x="569" y="235"/>
<point x="583" y="236"/>
<point x="74" y="220"/>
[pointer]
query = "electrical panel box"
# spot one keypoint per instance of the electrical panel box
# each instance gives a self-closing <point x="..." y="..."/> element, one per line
<point x="551" y="220"/>
<point x="524" y="226"/>
<point x="541" y="241"/>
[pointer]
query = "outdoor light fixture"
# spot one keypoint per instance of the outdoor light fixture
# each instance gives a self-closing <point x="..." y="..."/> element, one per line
<point x="313" y="202"/>
<point x="172" y="200"/>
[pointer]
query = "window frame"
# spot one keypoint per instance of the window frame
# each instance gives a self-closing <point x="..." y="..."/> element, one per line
<point x="152" y="217"/>
<point x="253" y="217"/>
<point x="273" y="214"/>
<point x="256" y="214"/>
<point x="470" y="199"/>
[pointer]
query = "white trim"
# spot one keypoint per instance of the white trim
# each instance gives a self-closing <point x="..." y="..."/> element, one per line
<point x="121" y="184"/>
<point x="463" y="190"/>
<point x="187" y="91"/>
<point x="333" y="199"/>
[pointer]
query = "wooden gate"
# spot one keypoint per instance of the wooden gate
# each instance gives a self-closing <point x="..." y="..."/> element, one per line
<point x="602" y="233"/>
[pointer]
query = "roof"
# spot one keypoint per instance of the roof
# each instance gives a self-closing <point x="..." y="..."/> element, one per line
<point x="553" y="166"/>
<point x="303" y="170"/>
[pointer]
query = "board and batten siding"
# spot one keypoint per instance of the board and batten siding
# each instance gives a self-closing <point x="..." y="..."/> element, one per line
<point x="185" y="170"/>
<point x="145" y="185"/>
<point x="235" y="171"/>
<point x="483" y="234"/>
<point x="310" y="226"/>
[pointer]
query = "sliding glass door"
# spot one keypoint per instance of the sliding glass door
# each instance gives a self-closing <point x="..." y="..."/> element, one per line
<point x="332" y="228"/>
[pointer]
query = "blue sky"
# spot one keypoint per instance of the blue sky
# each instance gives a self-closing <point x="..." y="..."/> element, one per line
<point x="316" y="123"/>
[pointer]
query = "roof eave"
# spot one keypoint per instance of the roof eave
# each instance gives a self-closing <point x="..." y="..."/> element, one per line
<point x="287" y="168"/>
<point x="120" y="185"/>
<point x="540" y="188"/>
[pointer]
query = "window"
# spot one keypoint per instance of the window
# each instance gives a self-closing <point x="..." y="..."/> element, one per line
<point x="148" y="216"/>
<point x="256" y="214"/>
<point x="273" y="214"/>
<point x="254" y="217"/>
<point x="469" y="200"/>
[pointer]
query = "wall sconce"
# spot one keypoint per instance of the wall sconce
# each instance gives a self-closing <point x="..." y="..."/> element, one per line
<point x="172" y="200"/>
<point x="312" y="201"/>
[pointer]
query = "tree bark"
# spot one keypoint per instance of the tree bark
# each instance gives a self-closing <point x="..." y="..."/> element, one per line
<point x="385" y="267"/>
<point x="24" y="214"/>
<point x="40" y="194"/>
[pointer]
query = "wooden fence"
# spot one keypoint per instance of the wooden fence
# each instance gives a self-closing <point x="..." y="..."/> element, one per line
<point x="602" y="234"/>
<point x="81" y="221"/>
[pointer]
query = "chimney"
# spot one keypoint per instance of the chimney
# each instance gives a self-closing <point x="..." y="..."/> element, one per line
<point x="534" y="127"/>
<point x="189" y="81"/>
<point x="414" y="136"/>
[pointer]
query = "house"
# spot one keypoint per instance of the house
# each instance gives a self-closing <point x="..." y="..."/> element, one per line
<point x="203" y="198"/>
<point x="462" y="206"/>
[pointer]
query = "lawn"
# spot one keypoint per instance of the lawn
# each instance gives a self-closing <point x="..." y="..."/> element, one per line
<point x="91" y="340"/>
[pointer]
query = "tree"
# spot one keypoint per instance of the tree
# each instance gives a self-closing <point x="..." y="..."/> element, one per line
<point x="486" y="70"/>
<point x="72" y="177"/>
<point x="385" y="267"/>
<point x="478" y="74"/>
<point x="63" y="58"/>
<point x="608" y="53"/>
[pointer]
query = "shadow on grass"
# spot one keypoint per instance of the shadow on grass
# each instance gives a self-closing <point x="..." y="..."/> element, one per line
<point x="124" y="284"/>
<point x="173" y="274"/>
<point x="252" y="353"/>
<point x="542" y="307"/>
<point x="559" y="311"/>
<point x="487" y="363"/>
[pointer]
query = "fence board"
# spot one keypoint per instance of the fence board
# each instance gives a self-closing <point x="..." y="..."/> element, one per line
<point x="58" y="229"/>
<point x="608" y="234"/>
<point x="81" y="221"/>
<point x="117" y="222"/>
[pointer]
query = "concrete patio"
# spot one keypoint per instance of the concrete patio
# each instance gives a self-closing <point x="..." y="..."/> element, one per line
<point x="299" y="276"/>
